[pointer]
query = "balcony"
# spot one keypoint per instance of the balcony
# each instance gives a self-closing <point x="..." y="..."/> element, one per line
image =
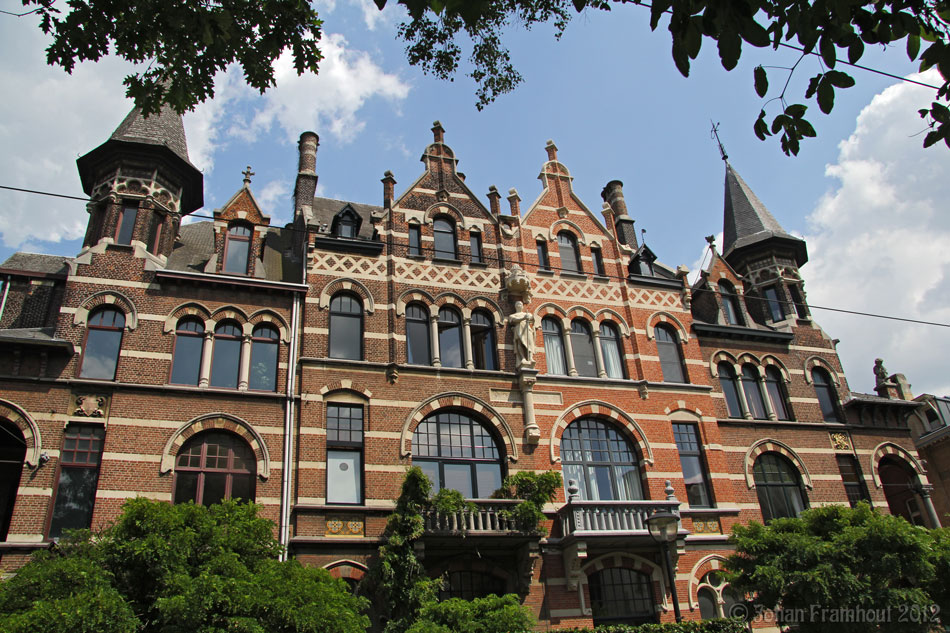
<point x="487" y="519"/>
<point x="609" y="518"/>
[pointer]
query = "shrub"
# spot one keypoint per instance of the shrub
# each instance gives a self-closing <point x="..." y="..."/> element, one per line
<point x="493" y="614"/>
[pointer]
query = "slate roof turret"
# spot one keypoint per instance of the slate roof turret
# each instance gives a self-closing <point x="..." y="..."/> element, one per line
<point x="165" y="128"/>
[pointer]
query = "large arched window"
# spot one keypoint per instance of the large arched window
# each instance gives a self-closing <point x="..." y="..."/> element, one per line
<point x="226" y="355"/>
<point x="468" y="584"/>
<point x="103" y="342"/>
<point x="727" y="378"/>
<point x="450" y="338"/>
<point x="553" y="346"/>
<point x="778" y="486"/>
<point x="775" y="386"/>
<point x="443" y="232"/>
<point x="827" y="396"/>
<point x="730" y="303"/>
<point x="417" y="335"/>
<point x="264" y="347"/>
<point x="214" y="466"/>
<point x="899" y="482"/>
<point x="483" y="341"/>
<point x="610" y="348"/>
<point x="12" y="453"/>
<point x="716" y="598"/>
<point x="237" y="248"/>
<point x="346" y="327"/>
<point x="189" y="339"/>
<point x="456" y="451"/>
<point x="753" y="394"/>
<point x="621" y="596"/>
<point x="567" y="248"/>
<point x="582" y="343"/>
<point x="601" y="460"/>
<point x="671" y="357"/>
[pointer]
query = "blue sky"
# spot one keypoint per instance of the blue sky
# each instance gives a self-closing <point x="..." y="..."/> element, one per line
<point x="870" y="201"/>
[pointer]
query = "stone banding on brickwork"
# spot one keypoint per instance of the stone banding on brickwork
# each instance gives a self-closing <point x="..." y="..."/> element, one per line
<point x="349" y="285"/>
<point x="411" y="296"/>
<point x="612" y="316"/>
<point x="189" y="308"/>
<point x="769" y="445"/>
<point x="31" y="432"/>
<point x="597" y="408"/>
<point x="884" y="449"/>
<point x="458" y="401"/>
<point x="770" y="360"/>
<point x="816" y="361"/>
<point x="229" y="312"/>
<point x="661" y="316"/>
<point x="107" y="297"/>
<point x="222" y="422"/>
<point x="719" y="356"/>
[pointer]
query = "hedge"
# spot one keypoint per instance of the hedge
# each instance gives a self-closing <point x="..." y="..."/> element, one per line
<point x="733" y="625"/>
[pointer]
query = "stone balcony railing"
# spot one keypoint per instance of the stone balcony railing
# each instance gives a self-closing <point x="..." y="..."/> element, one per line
<point x="487" y="518"/>
<point x="611" y="517"/>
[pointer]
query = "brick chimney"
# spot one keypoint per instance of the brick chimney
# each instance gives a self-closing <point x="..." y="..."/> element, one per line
<point x="612" y="194"/>
<point x="306" y="185"/>
<point x="494" y="200"/>
<point x="551" y="149"/>
<point x="514" y="200"/>
<point x="389" y="188"/>
<point x="438" y="132"/>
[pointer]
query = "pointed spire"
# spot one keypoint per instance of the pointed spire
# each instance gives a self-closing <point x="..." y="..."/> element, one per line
<point x="746" y="221"/>
<point x="165" y="128"/>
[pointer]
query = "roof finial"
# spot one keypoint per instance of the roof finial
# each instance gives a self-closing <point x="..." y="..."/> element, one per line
<point x="247" y="176"/>
<point x="715" y="132"/>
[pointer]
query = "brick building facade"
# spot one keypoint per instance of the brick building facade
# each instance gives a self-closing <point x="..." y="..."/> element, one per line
<point x="307" y="366"/>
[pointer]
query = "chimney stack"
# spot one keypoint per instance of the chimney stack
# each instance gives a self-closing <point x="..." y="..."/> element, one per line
<point x="551" y="149"/>
<point x="515" y="202"/>
<point x="494" y="200"/>
<point x="306" y="185"/>
<point x="307" y="147"/>
<point x="438" y="133"/>
<point x="612" y="194"/>
<point x="389" y="187"/>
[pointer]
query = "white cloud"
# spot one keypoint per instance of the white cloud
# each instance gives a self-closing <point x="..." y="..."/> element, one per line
<point x="878" y="244"/>
<point x="275" y="201"/>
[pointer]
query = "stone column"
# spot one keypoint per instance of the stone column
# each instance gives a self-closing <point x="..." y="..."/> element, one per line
<point x="568" y="350"/>
<point x="740" y="387"/>
<point x="467" y="341"/>
<point x="434" y="339"/>
<point x="598" y="353"/>
<point x="925" y="491"/>
<point x="205" y="372"/>
<point x="526" y="379"/>
<point x="245" y="370"/>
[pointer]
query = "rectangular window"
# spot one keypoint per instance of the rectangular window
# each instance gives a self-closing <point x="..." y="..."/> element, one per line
<point x="691" y="460"/>
<point x="126" y="224"/>
<point x="415" y="239"/>
<point x="799" y="302"/>
<point x="774" y="302"/>
<point x="598" y="260"/>
<point x="155" y="232"/>
<point x="543" y="263"/>
<point x="78" y="477"/>
<point x="344" y="453"/>
<point x="476" y="248"/>
<point x="853" y="480"/>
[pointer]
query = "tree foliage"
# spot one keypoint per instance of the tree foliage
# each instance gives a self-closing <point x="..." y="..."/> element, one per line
<point x="170" y="568"/>
<point x="833" y="561"/>
<point x="835" y="30"/>
<point x="182" y="44"/>
<point x="492" y="614"/>
<point x="535" y="490"/>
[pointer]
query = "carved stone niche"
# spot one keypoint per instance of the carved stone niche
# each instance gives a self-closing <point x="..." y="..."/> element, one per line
<point x="518" y="284"/>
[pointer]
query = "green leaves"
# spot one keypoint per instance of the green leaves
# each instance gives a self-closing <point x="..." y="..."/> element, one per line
<point x="761" y="81"/>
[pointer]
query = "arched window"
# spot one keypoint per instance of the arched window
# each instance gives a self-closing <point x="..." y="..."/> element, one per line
<point x="553" y="346"/>
<point x="611" y="349"/>
<point x="103" y="342"/>
<point x="827" y="396"/>
<point x="237" y="249"/>
<point x="483" y="340"/>
<point x="468" y="584"/>
<point x="346" y="224"/>
<point x="417" y="335"/>
<point x="621" y="596"/>
<point x="12" y="454"/>
<point x="727" y="378"/>
<point x="456" y="451"/>
<point x="450" y="338"/>
<point x="226" y="355"/>
<point x="582" y="343"/>
<point x="716" y="597"/>
<point x="126" y="224"/>
<point x="346" y="327"/>
<point x="753" y="394"/>
<point x="264" y="347"/>
<point x="671" y="359"/>
<point x="778" y="486"/>
<point x="730" y="303"/>
<point x="567" y="248"/>
<point x="775" y="386"/>
<point x="214" y="466"/>
<point x="186" y="363"/>
<point x="899" y="483"/>
<point x="443" y="231"/>
<point x="601" y="460"/>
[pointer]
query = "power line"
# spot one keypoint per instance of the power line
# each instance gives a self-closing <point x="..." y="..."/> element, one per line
<point x="430" y="250"/>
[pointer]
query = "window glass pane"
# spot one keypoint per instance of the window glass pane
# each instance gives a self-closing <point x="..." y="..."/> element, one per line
<point x="598" y="260"/>
<point x="431" y="470"/>
<point x="475" y="244"/>
<point x="727" y="379"/>
<point x="215" y="487"/>
<point x="75" y="497"/>
<point x="346" y="336"/>
<point x="610" y="349"/>
<point x="543" y="256"/>
<point x="776" y="308"/>
<point x="154" y="232"/>
<point x="753" y="395"/>
<point x="263" y="372"/>
<point x="417" y="336"/>
<point x="187" y="362"/>
<point x="101" y="354"/>
<point x="567" y="248"/>
<point x="582" y="343"/>
<point x="778" y="487"/>
<point x="553" y="348"/>
<point x="450" y="339"/>
<point x="186" y="487"/>
<point x="344" y="471"/>
<point x="707" y="604"/>
<point x="415" y="240"/>
<point x="826" y="395"/>
<point x="488" y="479"/>
<point x="483" y="341"/>
<point x="236" y="261"/>
<point x="774" y="386"/>
<point x="628" y="482"/>
<point x="671" y="363"/>
<point x="599" y="479"/>
<point x="444" y="233"/>
<point x="730" y="305"/>
<point x="242" y="487"/>
<point x="459" y="477"/>
<point x="126" y="224"/>
<point x="226" y="362"/>
<point x="621" y="595"/>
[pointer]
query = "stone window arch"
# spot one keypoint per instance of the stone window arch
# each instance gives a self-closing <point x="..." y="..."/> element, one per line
<point x="217" y="421"/>
<point x="602" y="410"/>
<point x="107" y="298"/>
<point x="348" y="285"/>
<point x="459" y="401"/>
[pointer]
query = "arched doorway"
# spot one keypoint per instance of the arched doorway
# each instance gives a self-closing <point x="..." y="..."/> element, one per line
<point x="12" y="453"/>
<point x="900" y="489"/>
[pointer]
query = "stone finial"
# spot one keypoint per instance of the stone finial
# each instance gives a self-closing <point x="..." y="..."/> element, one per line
<point x="247" y="176"/>
<point x="551" y="149"/>
<point x="514" y="201"/>
<point x="438" y="132"/>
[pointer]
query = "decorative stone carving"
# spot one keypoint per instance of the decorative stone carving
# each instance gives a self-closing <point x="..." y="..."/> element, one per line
<point x="345" y="526"/>
<point x="522" y="325"/>
<point x="840" y="441"/>
<point x="528" y="556"/>
<point x="518" y="284"/>
<point x="90" y="406"/>
<point x="880" y="372"/>
<point x="574" y="556"/>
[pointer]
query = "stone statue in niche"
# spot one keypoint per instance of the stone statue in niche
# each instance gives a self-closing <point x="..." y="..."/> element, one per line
<point x="522" y="324"/>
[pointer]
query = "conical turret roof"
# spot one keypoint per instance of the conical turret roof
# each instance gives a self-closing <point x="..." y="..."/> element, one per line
<point x="746" y="221"/>
<point x="164" y="128"/>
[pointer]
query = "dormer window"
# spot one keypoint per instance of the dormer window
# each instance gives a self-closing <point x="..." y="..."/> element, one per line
<point x="730" y="304"/>
<point x="346" y="224"/>
<point x="237" y="248"/>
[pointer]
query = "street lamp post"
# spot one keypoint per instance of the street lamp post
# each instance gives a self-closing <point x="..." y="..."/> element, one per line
<point x="663" y="526"/>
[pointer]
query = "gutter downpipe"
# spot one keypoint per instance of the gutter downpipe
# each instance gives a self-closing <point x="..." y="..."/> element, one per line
<point x="285" y="486"/>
